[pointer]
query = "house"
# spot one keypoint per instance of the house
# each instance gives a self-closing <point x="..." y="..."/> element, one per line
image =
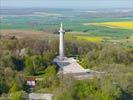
<point x="31" y="81"/>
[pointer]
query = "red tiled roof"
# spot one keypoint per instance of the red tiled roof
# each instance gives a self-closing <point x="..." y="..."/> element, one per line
<point x="31" y="78"/>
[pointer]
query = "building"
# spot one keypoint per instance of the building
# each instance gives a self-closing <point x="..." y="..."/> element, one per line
<point x="31" y="81"/>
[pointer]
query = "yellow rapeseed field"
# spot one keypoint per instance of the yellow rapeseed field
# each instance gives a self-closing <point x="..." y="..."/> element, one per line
<point x="90" y="38"/>
<point x="126" y="25"/>
<point x="70" y="36"/>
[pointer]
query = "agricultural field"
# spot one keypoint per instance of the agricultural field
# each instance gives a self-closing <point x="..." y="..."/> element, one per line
<point x="123" y="25"/>
<point x="98" y="27"/>
<point x="85" y="37"/>
<point x="91" y="39"/>
<point x="27" y="34"/>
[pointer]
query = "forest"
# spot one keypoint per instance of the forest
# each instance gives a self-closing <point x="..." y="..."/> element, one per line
<point x="21" y="58"/>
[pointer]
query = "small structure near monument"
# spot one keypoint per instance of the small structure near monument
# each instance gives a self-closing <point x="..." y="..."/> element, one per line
<point x="31" y="81"/>
<point x="70" y="65"/>
<point x="40" y="96"/>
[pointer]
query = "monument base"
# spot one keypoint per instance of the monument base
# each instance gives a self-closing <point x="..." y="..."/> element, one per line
<point x="71" y="66"/>
<point x="58" y="59"/>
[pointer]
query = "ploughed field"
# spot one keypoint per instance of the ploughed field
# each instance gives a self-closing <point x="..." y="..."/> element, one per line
<point x="26" y="34"/>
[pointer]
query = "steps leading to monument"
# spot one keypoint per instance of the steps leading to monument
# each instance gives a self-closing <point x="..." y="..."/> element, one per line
<point x="70" y="66"/>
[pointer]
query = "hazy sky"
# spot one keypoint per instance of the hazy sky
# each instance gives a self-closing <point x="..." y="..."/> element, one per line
<point x="68" y="3"/>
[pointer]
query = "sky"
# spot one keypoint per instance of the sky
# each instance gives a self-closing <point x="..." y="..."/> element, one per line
<point x="77" y="4"/>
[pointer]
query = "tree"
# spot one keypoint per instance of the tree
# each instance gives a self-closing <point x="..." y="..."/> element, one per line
<point x="20" y="95"/>
<point x="34" y="64"/>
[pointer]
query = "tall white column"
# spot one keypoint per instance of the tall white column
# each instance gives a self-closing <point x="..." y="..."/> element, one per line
<point x="61" y="44"/>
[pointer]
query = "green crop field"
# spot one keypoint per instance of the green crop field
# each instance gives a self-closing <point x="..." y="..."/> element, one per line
<point x="74" y="24"/>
